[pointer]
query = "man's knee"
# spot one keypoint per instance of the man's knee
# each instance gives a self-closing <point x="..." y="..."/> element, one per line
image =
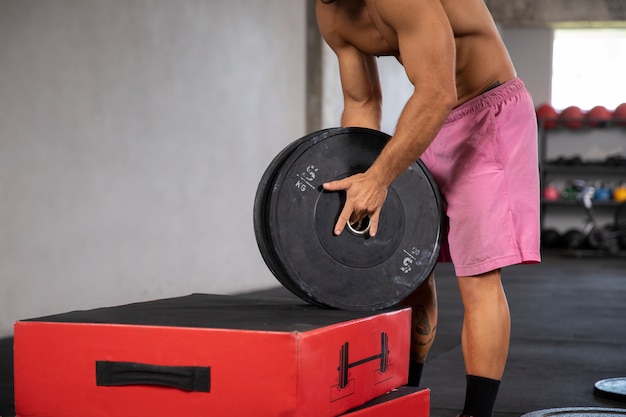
<point x="473" y="288"/>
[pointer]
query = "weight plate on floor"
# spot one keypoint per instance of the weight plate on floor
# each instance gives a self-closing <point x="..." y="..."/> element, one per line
<point x="295" y="217"/>
<point x="577" y="412"/>
<point x="612" y="388"/>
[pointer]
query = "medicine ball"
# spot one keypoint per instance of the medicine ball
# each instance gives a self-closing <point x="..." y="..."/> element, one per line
<point x="573" y="239"/>
<point x="619" y="115"/>
<point x="550" y="238"/>
<point x="598" y="116"/>
<point x="547" y="115"/>
<point x="572" y="117"/>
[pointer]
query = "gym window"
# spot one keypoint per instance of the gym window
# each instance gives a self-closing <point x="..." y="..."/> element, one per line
<point x="588" y="67"/>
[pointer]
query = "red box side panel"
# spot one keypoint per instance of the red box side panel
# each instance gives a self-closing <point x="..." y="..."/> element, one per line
<point x="410" y="404"/>
<point x="252" y="373"/>
<point x="364" y="374"/>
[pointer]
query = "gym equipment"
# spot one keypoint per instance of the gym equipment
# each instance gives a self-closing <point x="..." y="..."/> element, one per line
<point x="612" y="388"/>
<point x="400" y="402"/>
<point x="567" y="161"/>
<point x="547" y="115"/>
<point x="603" y="193"/>
<point x="572" y="117"/>
<point x="617" y="160"/>
<point x="205" y="355"/>
<point x="572" y="189"/>
<point x="573" y="239"/>
<point x="551" y="238"/>
<point x="578" y="412"/>
<point x="551" y="192"/>
<point x="294" y="219"/>
<point x="601" y="238"/>
<point x="598" y="116"/>
<point x="345" y="365"/>
<point x="619" y="115"/>
<point x="619" y="193"/>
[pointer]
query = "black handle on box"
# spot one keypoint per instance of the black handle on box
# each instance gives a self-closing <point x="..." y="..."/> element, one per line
<point x="187" y="378"/>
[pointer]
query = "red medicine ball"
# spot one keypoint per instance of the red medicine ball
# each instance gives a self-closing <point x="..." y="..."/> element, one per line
<point x="619" y="114"/>
<point x="573" y="117"/>
<point x="547" y="115"/>
<point x="598" y="116"/>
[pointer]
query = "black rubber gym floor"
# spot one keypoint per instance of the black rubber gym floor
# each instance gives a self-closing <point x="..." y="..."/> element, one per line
<point x="569" y="331"/>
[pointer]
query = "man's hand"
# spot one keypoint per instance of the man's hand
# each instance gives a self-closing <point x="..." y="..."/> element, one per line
<point x="364" y="198"/>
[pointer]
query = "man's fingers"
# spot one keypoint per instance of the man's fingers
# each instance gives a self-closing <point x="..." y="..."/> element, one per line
<point x="336" y="185"/>
<point x="344" y="216"/>
<point x="349" y="215"/>
<point x="346" y="212"/>
<point x="349" y="212"/>
<point x="374" y="224"/>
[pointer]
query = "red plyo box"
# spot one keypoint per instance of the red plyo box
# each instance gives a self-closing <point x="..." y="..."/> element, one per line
<point x="205" y="354"/>
<point x="401" y="402"/>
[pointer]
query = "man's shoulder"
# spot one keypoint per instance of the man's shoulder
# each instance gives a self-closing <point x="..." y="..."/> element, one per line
<point x="330" y="21"/>
<point x="349" y="26"/>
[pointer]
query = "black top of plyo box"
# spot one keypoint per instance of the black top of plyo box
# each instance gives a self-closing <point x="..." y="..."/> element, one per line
<point x="215" y="311"/>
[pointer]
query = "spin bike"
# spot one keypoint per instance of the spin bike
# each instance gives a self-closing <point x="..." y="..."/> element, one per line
<point x="607" y="239"/>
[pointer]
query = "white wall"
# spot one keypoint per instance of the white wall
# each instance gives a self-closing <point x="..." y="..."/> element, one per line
<point x="531" y="52"/>
<point x="132" y="138"/>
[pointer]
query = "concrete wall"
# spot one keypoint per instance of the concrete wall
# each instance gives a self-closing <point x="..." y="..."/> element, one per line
<point x="132" y="138"/>
<point x="544" y="13"/>
<point x="531" y="52"/>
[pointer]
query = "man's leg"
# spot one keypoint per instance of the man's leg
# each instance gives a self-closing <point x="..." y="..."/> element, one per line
<point x="423" y="302"/>
<point x="484" y="339"/>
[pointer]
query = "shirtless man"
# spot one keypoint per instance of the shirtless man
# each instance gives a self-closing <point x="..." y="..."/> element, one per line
<point x="472" y="122"/>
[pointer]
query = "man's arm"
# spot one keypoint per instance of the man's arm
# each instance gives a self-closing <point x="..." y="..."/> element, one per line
<point x="358" y="73"/>
<point x="427" y="49"/>
<point x="361" y="89"/>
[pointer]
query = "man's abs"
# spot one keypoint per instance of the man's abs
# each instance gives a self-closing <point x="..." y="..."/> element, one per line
<point x="481" y="56"/>
<point x="481" y="62"/>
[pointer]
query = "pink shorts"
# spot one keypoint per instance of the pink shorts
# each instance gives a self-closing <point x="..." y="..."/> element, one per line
<point x="484" y="161"/>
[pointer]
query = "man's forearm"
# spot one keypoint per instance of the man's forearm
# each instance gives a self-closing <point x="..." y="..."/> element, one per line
<point x="419" y="123"/>
<point x="356" y="115"/>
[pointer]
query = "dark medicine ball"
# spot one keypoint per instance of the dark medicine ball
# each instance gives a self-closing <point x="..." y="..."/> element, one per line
<point x="550" y="238"/>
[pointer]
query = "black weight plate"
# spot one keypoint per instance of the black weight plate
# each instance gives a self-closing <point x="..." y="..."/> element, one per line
<point x="351" y="271"/>
<point x="612" y="388"/>
<point x="577" y="412"/>
<point x="261" y="213"/>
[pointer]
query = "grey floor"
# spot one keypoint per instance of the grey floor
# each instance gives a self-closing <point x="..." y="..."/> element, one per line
<point x="569" y="331"/>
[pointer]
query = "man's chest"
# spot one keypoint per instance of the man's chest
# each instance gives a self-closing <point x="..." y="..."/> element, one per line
<point x="369" y="33"/>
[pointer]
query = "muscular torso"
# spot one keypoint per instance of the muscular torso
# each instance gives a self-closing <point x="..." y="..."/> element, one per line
<point x="481" y="57"/>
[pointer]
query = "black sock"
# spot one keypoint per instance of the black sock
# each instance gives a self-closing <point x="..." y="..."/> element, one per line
<point x="415" y="373"/>
<point x="480" y="396"/>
